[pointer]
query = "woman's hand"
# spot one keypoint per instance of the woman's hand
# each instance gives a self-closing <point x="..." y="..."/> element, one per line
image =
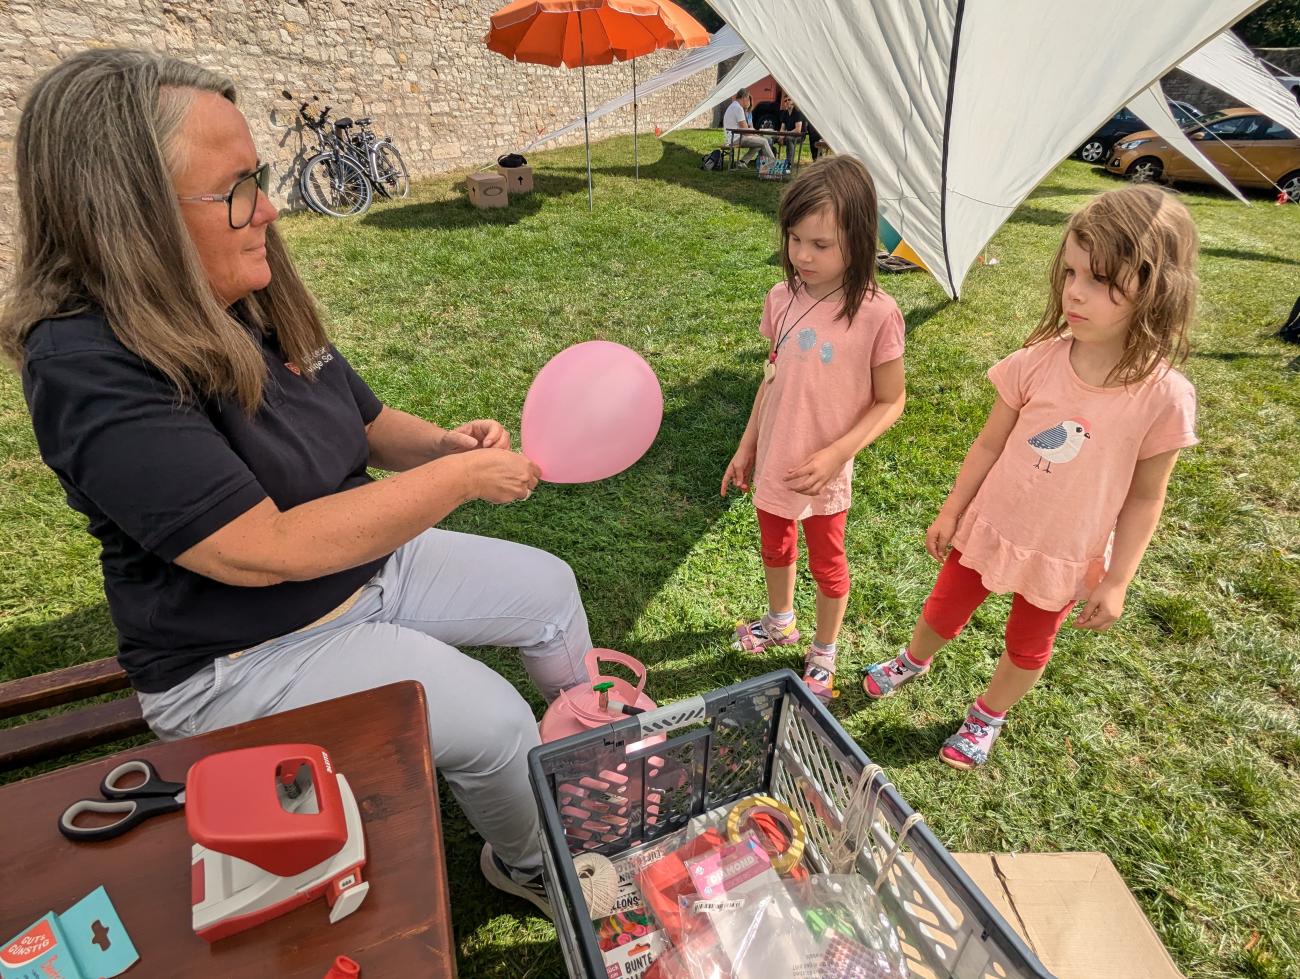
<point x="818" y="470"/>
<point x="1104" y="606"/>
<point x="501" y="476"/>
<point x="739" y="469"/>
<point x="938" y="538"/>
<point x="482" y="433"/>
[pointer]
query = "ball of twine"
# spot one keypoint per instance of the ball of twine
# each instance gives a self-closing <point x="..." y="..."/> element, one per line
<point x="599" y="882"/>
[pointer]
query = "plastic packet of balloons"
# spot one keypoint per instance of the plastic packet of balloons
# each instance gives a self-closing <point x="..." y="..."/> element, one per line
<point x="769" y="927"/>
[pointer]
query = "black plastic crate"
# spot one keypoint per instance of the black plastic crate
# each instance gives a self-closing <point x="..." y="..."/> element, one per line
<point x="766" y="735"/>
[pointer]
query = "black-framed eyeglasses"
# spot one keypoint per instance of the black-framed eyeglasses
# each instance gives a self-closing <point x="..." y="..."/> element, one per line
<point x="241" y="202"/>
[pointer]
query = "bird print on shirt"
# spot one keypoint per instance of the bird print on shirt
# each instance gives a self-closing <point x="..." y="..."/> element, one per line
<point x="1060" y="443"/>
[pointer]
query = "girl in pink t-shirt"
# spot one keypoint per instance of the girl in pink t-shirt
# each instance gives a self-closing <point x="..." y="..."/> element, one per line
<point x="1060" y="494"/>
<point x="832" y="384"/>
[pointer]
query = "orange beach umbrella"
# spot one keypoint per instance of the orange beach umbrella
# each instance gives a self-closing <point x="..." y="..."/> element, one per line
<point x="577" y="33"/>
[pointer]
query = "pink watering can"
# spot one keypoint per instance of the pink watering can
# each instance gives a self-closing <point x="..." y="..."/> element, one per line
<point x="601" y="701"/>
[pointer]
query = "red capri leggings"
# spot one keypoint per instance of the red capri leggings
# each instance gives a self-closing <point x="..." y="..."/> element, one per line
<point x="1031" y="631"/>
<point x="825" y="539"/>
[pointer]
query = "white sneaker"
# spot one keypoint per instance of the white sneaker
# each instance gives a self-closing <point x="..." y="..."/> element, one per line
<point x="742" y="165"/>
<point x="498" y="875"/>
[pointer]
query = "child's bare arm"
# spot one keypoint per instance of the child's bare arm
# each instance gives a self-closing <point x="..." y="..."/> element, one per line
<point x="980" y="458"/>
<point x="1137" y="523"/>
<point x="751" y="427"/>
<point x="889" y="395"/>
<point x="888" y="384"/>
<point x="742" y="462"/>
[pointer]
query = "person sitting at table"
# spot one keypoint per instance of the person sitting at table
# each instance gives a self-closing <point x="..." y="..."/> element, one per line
<point x="790" y="120"/>
<point x="184" y="391"/>
<point x="741" y="133"/>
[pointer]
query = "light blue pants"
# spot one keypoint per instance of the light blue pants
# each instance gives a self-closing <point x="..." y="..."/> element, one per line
<point x="438" y="592"/>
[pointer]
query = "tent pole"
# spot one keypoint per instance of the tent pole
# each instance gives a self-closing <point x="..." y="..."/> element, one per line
<point x="586" y="124"/>
<point x="636" y="156"/>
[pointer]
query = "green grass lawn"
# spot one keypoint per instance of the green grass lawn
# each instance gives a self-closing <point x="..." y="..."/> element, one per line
<point x="1171" y="743"/>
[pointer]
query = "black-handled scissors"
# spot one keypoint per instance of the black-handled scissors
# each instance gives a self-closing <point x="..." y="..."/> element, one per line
<point x="139" y="802"/>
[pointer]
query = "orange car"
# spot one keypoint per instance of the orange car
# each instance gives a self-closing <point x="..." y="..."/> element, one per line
<point x="1249" y="148"/>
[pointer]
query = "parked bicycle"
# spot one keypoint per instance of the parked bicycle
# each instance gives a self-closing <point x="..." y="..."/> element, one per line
<point x="341" y="178"/>
<point x="386" y="168"/>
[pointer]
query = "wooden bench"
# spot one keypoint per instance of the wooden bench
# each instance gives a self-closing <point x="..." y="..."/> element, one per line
<point x="67" y="731"/>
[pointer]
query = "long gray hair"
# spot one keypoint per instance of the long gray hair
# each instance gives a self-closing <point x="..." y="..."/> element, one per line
<point x="99" y="225"/>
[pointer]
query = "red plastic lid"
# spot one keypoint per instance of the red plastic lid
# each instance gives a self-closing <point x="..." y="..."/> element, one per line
<point x="236" y="803"/>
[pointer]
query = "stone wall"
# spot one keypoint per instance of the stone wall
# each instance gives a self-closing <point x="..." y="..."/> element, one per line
<point x="419" y="67"/>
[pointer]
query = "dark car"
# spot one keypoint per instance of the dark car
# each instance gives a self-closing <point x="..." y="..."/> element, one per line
<point x="1096" y="147"/>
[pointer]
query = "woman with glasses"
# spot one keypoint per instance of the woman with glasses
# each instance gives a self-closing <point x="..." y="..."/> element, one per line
<point x="183" y="390"/>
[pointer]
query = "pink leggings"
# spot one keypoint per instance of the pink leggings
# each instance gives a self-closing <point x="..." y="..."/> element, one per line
<point x="958" y="592"/>
<point x="824" y="536"/>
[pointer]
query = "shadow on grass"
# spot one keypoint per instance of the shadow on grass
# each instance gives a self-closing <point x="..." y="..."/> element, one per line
<point x="1043" y="191"/>
<point x="896" y="744"/>
<point x="1246" y="255"/>
<point x="1044" y="216"/>
<point x="1231" y="356"/>
<point x="679" y="164"/>
<point x="460" y="213"/>
<point x="627" y="536"/>
<point x="78" y="637"/>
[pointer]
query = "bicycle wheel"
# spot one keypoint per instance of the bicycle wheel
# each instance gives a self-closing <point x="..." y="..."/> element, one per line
<point x="334" y="186"/>
<point x="391" y="169"/>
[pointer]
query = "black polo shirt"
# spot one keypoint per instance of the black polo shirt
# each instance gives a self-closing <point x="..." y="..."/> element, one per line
<point x="155" y="477"/>
<point x="788" y="119"/>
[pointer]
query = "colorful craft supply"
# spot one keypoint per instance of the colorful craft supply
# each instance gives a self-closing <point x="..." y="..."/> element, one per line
<point x="598" y="879"/>
<point x="746" y="809"/>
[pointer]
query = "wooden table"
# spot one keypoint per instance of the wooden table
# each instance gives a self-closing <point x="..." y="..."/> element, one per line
<point x="379" y="739"/>
<point x="768" y="134"/>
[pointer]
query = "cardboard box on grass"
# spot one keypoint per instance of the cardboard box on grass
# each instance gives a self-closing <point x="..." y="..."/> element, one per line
<point x="487" y="190"/>
<point x="519" y="180"/>
<point x="1074" y="912"/>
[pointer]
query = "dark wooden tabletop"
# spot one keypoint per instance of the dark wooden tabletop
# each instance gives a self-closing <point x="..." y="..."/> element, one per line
<point x="769" y="133"/>
<point x="378" y="739"/>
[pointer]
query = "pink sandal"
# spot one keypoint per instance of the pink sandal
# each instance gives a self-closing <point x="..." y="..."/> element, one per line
<point x="756" y="636"/>
<point x="819" y="674"/>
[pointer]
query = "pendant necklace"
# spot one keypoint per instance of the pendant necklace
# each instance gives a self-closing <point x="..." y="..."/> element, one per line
<point x="769" y="369"/>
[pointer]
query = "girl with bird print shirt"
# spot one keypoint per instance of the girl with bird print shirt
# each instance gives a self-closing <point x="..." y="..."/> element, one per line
<point x="1059" y="496"/>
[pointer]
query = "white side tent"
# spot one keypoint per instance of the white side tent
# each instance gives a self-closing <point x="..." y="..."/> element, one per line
<point x="1152" y="107"/>
<point x="743" y="74"/>
<point x="970" y="102"/>
<point x="723" y="45"/>
<point x="1228" y="65"/>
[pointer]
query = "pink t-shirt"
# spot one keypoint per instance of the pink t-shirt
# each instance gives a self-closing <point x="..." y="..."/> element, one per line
<point x="1042" y="522"/>
<point x="821" y="389"/>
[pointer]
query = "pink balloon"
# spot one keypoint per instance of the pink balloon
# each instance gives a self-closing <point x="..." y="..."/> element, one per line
<point x="591" y="412"/>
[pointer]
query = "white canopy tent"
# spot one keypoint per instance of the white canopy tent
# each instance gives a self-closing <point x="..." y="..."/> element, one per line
<point x="971" y="102"/>
<point x="723" y="45"/>
<point x="743" y="74"/>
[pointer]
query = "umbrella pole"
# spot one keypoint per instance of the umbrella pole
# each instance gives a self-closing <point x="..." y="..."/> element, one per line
<point x="636" y="156"/>
<point x="586" y="125"/>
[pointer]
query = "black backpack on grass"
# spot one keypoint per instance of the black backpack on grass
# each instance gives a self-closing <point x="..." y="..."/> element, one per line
<point x="1290" y="331"/>
<point x="712" y="161"/>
